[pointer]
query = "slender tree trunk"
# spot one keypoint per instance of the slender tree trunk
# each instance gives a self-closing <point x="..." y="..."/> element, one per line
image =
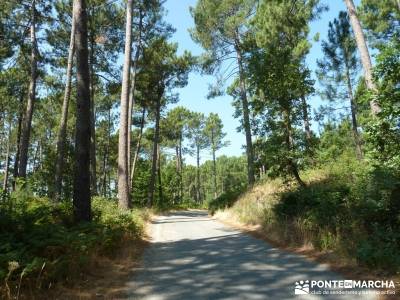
<point x="62" y="133"/>
<point x="124" y="201"/>
<point x="246" y="117"/>
<point x="180" y="169"/>
<point x="26" y="128"/>
<point x="353" y="108"/>
<point x="18" y="143"/>
<point x="198" y="174"/>
<point x="160" y="188"/>
<point x="364" y="53"/>
<point x="107" y="154"/>
<point x="81" y="190"/>
<point x="132" y="97"/>
<point x="138" y="145"/>
<point x="215" y="175"/>
<point x="150" y="198"/>
<point x="7" y="166"/>
<point x="398" y="4"/>
<point x="292" y="165"/>
<point x="104" y="173"/>
<point x="307" y="127"/>
<point x="214" y="163"/>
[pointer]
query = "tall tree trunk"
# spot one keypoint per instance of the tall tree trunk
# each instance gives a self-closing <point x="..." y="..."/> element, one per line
<point x="353" y="108"/>
<point x="26" y="128"/>
<point x="132" y="96"/>
<point x="18" y="143"/>
<point x="214" y="163"/>
<point x="307" y="127"/>
<point x="364" y="53"/>
<point x="124" y="201"/>
<point x="292" y="165"/>
<point x="7" y="166"/>
<point x="107" y="154"/>
<point x="246" y="116"/>
<point x="138" y="145"/>
<point x="160" y="188"/>
<point x="62" y="133"/>
<point x="198" y="174"/>
<point x="81" y="190"/>
<point x="150" y="197"/>
<point x="180" y="169"/>
<point x="93" y="164"/>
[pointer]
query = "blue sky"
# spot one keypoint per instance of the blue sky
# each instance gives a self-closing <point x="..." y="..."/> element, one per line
<point x="193" y="96"/>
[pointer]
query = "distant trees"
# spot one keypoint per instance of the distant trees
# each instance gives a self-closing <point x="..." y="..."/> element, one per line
<point x="256" y="50"/>
<point x="222" y="30"/>
<point x="198" y="142"/>
<point x="215" y="136"/>
<point x="339" y="67"/>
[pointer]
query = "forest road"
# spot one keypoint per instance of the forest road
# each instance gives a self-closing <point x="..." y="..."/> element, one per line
<point x="193" y="256"/>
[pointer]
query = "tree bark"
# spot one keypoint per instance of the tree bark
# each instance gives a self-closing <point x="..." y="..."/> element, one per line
<point x="62" y="133"/>
<point x="198" y="174"/>
<point x="160" y="188"/>
<point x="364" y="53"/>
<point x="132" y="96"/>
<point x="124" y="201"/>
<point x="18" y="144"/>
<point x="150" y="198"/>
<point x="7" y="166"/>
<point x="214" y="163"/>
<point x="180" y="169"/>
<point x="246" y="117"/>
<point x="106" y="154"/>
<point x="353" y="108"/>
<point x="138" y="145"/>
<point x="27" y="123"/>
<point x="93" y="163"/>
<point x="81" y="190"/>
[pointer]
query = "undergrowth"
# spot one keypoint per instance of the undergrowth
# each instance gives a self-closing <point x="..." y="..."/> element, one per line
<point x="40" y="245"/>
<point x="350" y="208"/>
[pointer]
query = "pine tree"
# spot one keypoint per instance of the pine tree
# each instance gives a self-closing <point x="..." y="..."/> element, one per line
<point x="364" y="52"/>
<point x="222" y="29"/>
<point x="215" y="135"/>
<point x="123" y="169"/>
<point x="339" y="67"/>
<point x="81" y="194"/>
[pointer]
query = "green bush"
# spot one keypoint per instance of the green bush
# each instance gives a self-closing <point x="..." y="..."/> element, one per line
<point x="348" y="206"/>
<point x="40" y="245"/>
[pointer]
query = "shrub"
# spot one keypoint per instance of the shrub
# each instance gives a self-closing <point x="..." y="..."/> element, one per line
<point x="40" y="244"/>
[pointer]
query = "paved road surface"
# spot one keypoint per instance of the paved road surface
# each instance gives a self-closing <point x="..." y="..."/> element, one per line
<point x="195" y="257"/>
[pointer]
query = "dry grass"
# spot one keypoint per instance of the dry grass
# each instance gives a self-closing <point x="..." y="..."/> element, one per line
<point x="252" y="213"/>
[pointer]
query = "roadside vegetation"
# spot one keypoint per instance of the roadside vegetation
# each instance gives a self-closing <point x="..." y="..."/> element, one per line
<point x="88" y="146"/>
<point x="41" y="246"/>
